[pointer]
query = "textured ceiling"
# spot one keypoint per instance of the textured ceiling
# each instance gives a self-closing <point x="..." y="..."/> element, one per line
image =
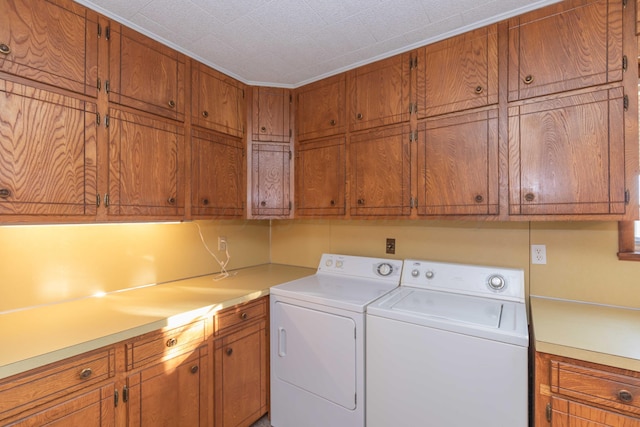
<point x="289" y="43"/>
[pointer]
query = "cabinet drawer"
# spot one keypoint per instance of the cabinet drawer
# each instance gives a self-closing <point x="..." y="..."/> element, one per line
<point x="240" y="314"/>
<point x="614" y="390"/>
<point x="157" y="346"/>
<point x="39" y="386"/>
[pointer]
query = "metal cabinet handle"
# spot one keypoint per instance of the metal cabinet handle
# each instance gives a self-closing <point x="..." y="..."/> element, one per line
<point x="229" y="351"/>
<point x="171" y="342"/>
<point x="194" y="369"/>
<point x="172" y="103"/>
<point x="479" y="198"/>
<point x="528" y="79"/>
<point x="5" y="193"/>
<point x="5" y="49"/>
<point x="244" y="316"/>
<point x="625" y="396"/>
<point x="529" y="197"/>
<point x="85" y="373"/>
<point x="332" y="202"/>
<point x="332" y="122"/>
<point x="361" y="201"/>
<point x="359" y="116"/>
<point x="205" y="114"/>
<point x="263" y="129"/>
<point x="479" y="90"/>
<point x="263" y="203"/>
<point x="205" y="202"/>
<point x="171" y="200"/>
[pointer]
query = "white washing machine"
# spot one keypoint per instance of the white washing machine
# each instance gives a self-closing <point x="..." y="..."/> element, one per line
<point x="318" y="341"/>
<point x="449" y="348"/>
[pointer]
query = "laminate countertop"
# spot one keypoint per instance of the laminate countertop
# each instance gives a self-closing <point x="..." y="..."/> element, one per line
<point x="603" y="334"/>
<point x="37" y="336"/>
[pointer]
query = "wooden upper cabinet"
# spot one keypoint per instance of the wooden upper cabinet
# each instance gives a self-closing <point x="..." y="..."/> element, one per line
<point x="458" y="73"/>
<point x="321" y="177"/>
<point x="270" y="114"/>
<point x="217" y="101"/>
<point x="567" y="155"/>
<point x="458" y="164"/>
<point x="48" y="146"/>
<point x="321" y="108"/>
<point x="379" y="92"/>
<point x="145" y="74"/>
<point x="271" y="180"/>
<point x="146" y="172"/>
<point x="569" y="45"/>
<point x="217" y="181"/>
<point x="380" y="171"/>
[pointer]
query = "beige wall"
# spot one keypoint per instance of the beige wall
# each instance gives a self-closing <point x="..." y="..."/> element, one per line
<point x="581" y="256"/>
<point x="44" y="264"/>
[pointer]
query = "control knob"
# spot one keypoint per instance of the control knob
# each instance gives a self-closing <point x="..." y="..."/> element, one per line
<point x="496" y="282"/>
<point x="385" y="269"/>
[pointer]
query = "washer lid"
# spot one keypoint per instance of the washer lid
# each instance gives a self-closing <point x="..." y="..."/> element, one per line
<point x="348" y="293"/>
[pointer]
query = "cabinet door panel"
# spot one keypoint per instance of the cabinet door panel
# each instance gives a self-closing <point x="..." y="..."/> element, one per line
<point x="459" y="73"/>
<point x="271" y="108"/>
<point x="145" y="74"/>
<point x="320" y="177"/>
<point x="48" y="145"/>
<point x="217" y="101"/>
<point x="218" y="175"/>
<point x="145" y="166"/>
<point x="381" y="172"/>
<point x="270" y="176"/>
<point x="458" y="164"/>
<point x="51" y="42"/>
<point x="569" y="45"/>
<point x="567" y="155"/>
<point x="566" y="413"/>
<point x="321" y="109"/>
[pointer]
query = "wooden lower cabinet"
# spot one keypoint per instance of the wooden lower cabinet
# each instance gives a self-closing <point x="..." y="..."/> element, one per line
<point x="575" y="393"/>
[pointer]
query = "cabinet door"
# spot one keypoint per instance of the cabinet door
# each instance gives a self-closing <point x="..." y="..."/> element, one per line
<point x="48" y="146"/>
<point x="458" y="164"/>
<point x="145" y="74"/>
<point x="566" y="413"/>
<point x="320" y="177"/>
<point x="145" y="166"/>
<point x="240" y="377"/>
<point x="321" y="109"/>
<point x="458" y="73"/>
<point x="54" y="42"/>
<point x="270" y="180"/>
<point x="379" y="93"/>
<point x="217" y="101"/>
<point x="172" y="393"/>
<point x="94" y="408"/>
<point x="567" y="155"/>
<point x="270" y="114"/>
<point x="568" y="45"/>
<point x="381" y="172"/>
<point x="217" y="179"/>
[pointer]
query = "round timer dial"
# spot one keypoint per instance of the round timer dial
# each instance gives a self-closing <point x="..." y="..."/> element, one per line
<point x="385" y="269"/>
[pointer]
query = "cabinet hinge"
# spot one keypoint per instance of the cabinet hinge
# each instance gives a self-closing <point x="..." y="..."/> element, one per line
<point x="98" y="119"/>
<point x="290" y="98"/>
<point x="98" y="198"/>
<point x="125" y="394"/>
<point x="625" y="63"/>
<point x="413" y="63"/>
<point x="413" y="136"/>
<point x="106" y="205"/>
<point x="549" y="412"/>
<point x="99" y="30"/>
<point x="625" y="102"/>
<point x="106" y="121"/>
<point x="289" y="154"/>
<point x="290" y="133"/>
<point x="290" y="205"/>
<point x="627" y="197"/>
<point x="413" y="202"/>
<point x="413" y="108"/>
<point x="115" y="398"/>
<point x="107" y="33"/>
<point x="99" y="85"/>
<point x="624" y="3"/>
<point x="107" y="86"/>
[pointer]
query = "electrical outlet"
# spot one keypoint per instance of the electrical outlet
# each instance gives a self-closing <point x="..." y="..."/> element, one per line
<point x="391" y="246"/>
<point x="222" y="243"/>
<point x="538" y="254"/>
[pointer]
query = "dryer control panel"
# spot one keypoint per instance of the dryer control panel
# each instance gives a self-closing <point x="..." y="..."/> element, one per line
<point x="364" y="267"/>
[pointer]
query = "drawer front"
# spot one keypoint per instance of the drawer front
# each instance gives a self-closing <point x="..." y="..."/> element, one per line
<point x="25" y="391"/>
<point x="158" y="346"/>
<point x="597" y="386"/>
<point x="240" y="314"/>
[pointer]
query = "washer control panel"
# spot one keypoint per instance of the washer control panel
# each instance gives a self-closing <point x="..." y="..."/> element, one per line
<point x="493" y="282"/>
<point x="365" y="267"/>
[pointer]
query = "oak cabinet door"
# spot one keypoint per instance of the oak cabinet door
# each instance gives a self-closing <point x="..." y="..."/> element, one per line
<point x="48" y="146"/>
<point x="145" y="74"/>
<point x="270" y="180"/>
<point x="321" y="108"/>
<point x="270" y="114"/>
<point x="458" y="164"/>
<point x="567" y="155"/>
<point x="146" y="173"/>
<point x="53" y="42"/>
<point x="217" y="181"/>
<point x="381" y="172"/>
<point x="569" y="45"/>
<point x="217" y="101"/>
<point x="566" y="413"/>
<point x="458" y="73"/>
<point x="320" y="177"/>
<point x="379" y="93"/>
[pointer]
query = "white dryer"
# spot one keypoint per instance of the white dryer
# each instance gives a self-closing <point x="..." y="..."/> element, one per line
<point x="449" y="348"/>
<point x="318" y="341"/>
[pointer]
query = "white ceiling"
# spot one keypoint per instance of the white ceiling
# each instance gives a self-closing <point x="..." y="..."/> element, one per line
<point x="288" y="43"/>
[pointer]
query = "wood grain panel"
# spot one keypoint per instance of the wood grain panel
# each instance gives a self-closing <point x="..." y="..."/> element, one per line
<point x="271" y="110"/>
<point x="271" y="165"/>
<point x="321" y="108"/>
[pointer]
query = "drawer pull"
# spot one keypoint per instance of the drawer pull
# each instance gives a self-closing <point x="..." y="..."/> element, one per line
<point x="194" y="369"/>
<point x="5" y="49"/>
<point x="479" y="90"/>
<point x="244" y="316"/>
<point x="5" y="193"/>
<point x="205" y="114"/>
<point x="625" y="396"/>
<point x="85" y="373"/>
<point x="171" y="342"/>
<point x="172" y="103"/>
<point x="229" y="351"/>
<point x="332" y="122"/>
<point x="529" y="197"/>
<point x="528" y="79"/>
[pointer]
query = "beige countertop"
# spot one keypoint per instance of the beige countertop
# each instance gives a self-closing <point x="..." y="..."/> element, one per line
<point x="41" y="335"/>
<point x="596" y="333"/>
